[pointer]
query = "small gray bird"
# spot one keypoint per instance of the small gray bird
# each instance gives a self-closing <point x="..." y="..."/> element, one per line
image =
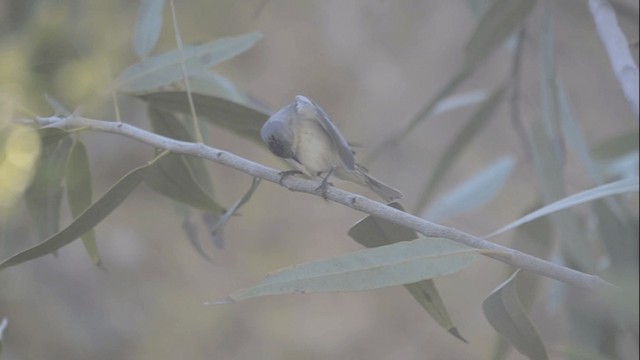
<point x="305" y="137"/>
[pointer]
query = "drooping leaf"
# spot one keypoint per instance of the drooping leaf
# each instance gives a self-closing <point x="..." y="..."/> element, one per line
<point x="372" y="232"/>
<point x="43" y="197"/>
<point x="172" y="177"/>
<point x="505" y="313"/>
<point x="3" y="325"/>
<point x="85" y="221"/>
<point x="474" y="192"/>
<point x="396" y="264"/>
<point x="502" y="19"/>
<point x="617" y="146"/>
<point x="479" y="120"/>
<point x="616" y="187"/>
<point x="219" y="224"/>
<point x="229" y="115"/>
<point x="461" y="100"/>
<point x="166" y="124"/>
<point x="148" y="26"/>
<point x="156" y="71"/>
<point x="533" y="238"/>
<point x="79" y="193"/>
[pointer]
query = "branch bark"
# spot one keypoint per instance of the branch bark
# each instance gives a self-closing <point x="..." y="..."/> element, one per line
<point x="354" y="201"/>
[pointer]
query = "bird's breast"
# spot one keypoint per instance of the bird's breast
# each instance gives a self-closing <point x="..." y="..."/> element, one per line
<point x="315" y="150"/>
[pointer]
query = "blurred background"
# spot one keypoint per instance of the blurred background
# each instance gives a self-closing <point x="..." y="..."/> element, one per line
<point x="372" y="65"/>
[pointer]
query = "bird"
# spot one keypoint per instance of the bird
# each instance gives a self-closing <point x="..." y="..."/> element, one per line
<point x="304" y="135"/>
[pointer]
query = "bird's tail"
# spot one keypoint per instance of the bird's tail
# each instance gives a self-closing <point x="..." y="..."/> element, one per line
<point x="383" y="190"/>
<point x="359" y="175"/>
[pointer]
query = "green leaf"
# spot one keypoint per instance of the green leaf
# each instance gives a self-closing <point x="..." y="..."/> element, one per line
<point x="166" y="124"/>
<point x="3" y="325"/>
<point x="474" y="192"/>
<point x="501" y="20"/>
<point x="373" y="232"/>
<point x="85" y="221"/>
<point x="148" y="26"/>
<point x="172" y="177"/>
<point x="156" y="71"/>
<point x="43" y="197"/>
<point x="79" y="193"/>
<point x="217" y="227"/>
<point x="505" y="313"/>
<point x="617" y="146"/>
<point x="397" y="264"/>
<point x="464" y="137"/>
<point x="616" y="187"/>
<point x="229" y="115"/>
<point x="533" y="238"/>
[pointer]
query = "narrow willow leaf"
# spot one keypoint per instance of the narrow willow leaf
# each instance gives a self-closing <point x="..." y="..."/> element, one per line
<point x="618" y="236"/>
<point x="502" y="19"/>
<point x="85" y="221"/>
<point x="44" y="195"/>
<point x="213" y="84"/>
<point x="534" y="238"/>
<point x="166" y="124"/>
<point x="458" y="101"/>
<point x="464" y="137"/>
<point x="148" y="26"/>
<point x="172" y="177"/>
<point x="397" y="264"/>
<point x="229" y="115"/>
<point x="156" y="71"/>
<point x="231" y="211"/>
<point x="373" y="232"/>
<point x="3" y="325"/>
<point x="617" y="146"/>
<point x="474" y="192"/>
<point x="614" y="188"/>
<point x="505" y="313"/>
<point x="191" y="229"/>
<point x="79" y="193"/>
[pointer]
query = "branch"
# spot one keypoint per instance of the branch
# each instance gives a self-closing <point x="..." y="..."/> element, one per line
<point x="617" y="48"/>
<point x="354" y="201"/>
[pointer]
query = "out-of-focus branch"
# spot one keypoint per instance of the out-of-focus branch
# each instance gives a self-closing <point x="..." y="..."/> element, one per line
<point x="354" y="201"/>
<point x="617" y="48"/>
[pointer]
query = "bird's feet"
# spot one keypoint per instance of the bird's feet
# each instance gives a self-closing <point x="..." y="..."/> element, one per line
<point x="285" y="174"/>
<point x="324" y="185"/>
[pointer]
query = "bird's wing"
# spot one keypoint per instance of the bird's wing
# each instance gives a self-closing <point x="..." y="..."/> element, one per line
<point x="344" y="151"/>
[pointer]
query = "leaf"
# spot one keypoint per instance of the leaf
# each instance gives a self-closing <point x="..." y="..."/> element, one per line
<point x="156" y="71"/>
<point x="217" y="227"/>
<point x="85" y="221"/>
<point x="397" y="264"/>
<point x="473" y="192"/>
<point x="616" y="187"/>
<point x="501" y="20"/>
<point x="3" y="325"/>
<point x="79" y="193"/>
<point x="229" y="115"/>
<point x="148" y="26"/>
<point x="617" y="146"/>
<point x="460" y="100"/>
<point x="43" y="197"/>
<point x="479" y="120"/>
<point x="166" y="124"/>
<point x="505" y="313"/>
<point x="172" y="177"/>
<point x="533" y="238"/>
<point x="373" y="232"/>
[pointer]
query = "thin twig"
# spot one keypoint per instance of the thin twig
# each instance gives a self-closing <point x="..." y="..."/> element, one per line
<point x="354" y="201"/>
